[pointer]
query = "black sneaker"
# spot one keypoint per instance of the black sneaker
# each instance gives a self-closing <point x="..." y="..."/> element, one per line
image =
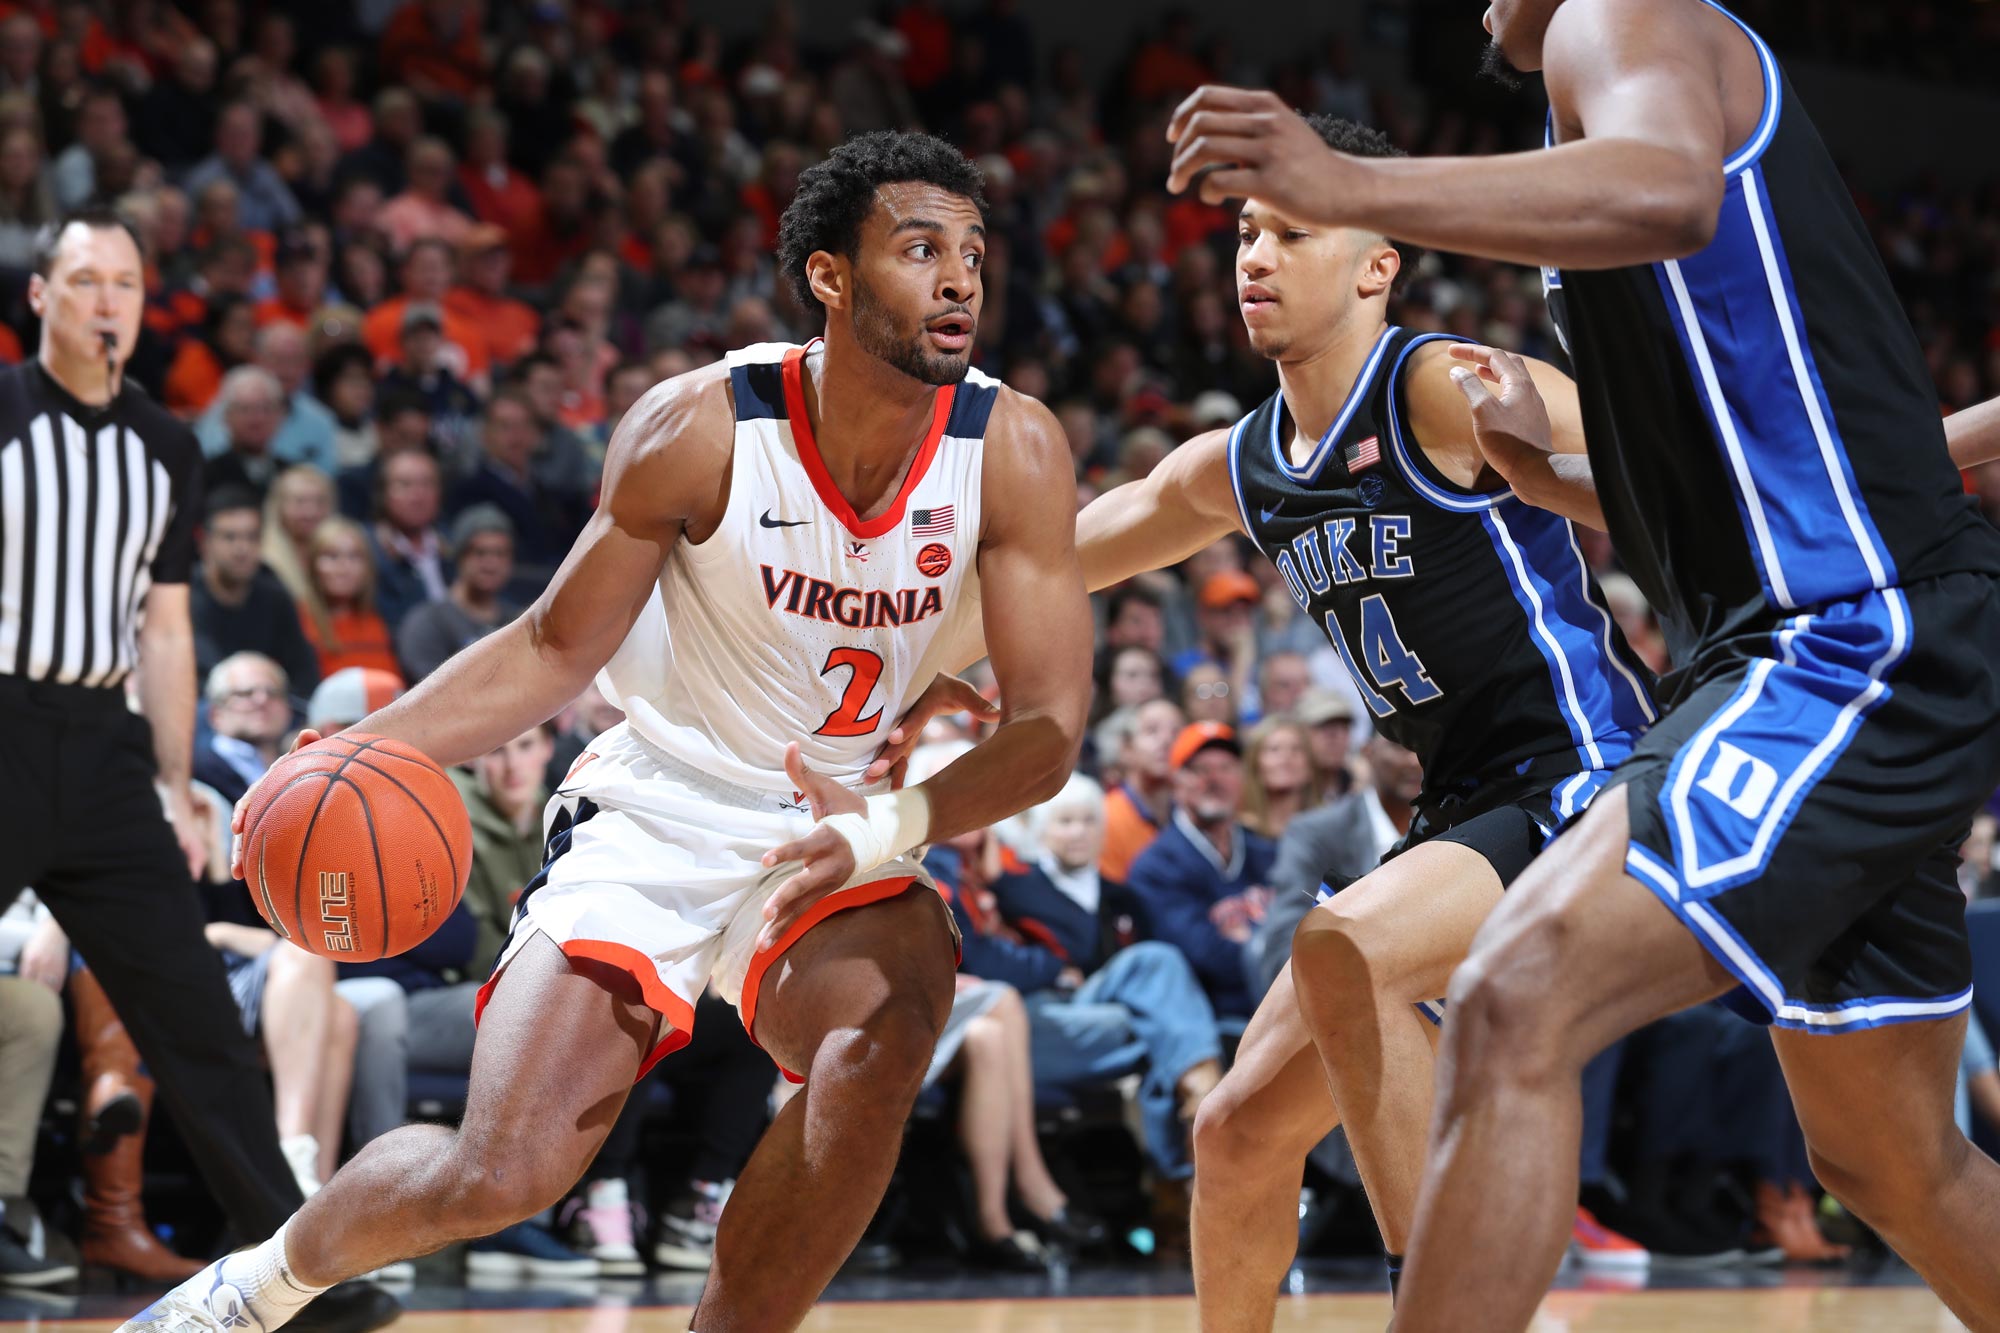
<point x="19" y="1268"/>
<point x="351" y="1307"/>
<point x="686" y="1237"/>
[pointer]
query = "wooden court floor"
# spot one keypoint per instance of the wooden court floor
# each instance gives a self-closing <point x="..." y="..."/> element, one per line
<point x="1819" y="1309"/>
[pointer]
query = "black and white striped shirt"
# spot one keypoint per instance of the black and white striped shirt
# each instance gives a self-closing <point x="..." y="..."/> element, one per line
<point x="97" y="504"/>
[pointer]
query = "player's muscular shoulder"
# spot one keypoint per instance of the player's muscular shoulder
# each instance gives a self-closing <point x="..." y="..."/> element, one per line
<point x="1199" y="471"/>
<point x="668" y="462"/>
<point x="1439" y="419"/>
<point x="1591" y="46"/>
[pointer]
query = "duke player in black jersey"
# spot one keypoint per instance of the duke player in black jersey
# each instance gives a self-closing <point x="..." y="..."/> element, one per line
<point x="1765" y="443"/>
<point x="1477" y="638"/>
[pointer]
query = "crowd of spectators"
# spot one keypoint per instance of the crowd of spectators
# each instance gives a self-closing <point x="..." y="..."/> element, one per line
<point x="410" y="263"/>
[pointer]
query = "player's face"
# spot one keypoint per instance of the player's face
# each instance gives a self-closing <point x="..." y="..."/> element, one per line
<point x="1294" y="283"/>
<point x="1517" y="28"/>
<point x="916" y="283"/>
<point x="96" y="286"/>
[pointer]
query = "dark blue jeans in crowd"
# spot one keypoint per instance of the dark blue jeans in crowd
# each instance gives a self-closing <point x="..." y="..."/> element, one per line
<point x="1144" y="1010"/>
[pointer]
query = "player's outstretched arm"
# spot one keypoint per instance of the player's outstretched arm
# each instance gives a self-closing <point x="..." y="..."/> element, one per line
<point x="1523" y="419"/>
<point x="1038" y="636"/>
<point x="1643" y="184"/>
<point x="1973" y="433"/>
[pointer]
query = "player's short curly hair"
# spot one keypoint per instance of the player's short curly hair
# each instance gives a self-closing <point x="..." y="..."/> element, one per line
<point x="1356" y="140"/>
<point x="834" y="196"/>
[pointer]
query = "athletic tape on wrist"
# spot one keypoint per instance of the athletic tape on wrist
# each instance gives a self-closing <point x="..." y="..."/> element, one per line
<point x="893" y="823"/>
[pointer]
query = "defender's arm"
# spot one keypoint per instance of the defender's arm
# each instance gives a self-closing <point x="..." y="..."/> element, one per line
<point x="1973" y="434"/>
<point x="1519" y="417"/>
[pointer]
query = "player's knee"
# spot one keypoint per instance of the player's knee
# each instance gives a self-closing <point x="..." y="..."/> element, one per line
<point x="888" y="1050"/>
<point x="1892" y="1185"/>
<point x="1501" y="1018"/>
<point x="1331" y="962"/>
<point x="487" y="1188"/>
<point x="1231" y="1139"/>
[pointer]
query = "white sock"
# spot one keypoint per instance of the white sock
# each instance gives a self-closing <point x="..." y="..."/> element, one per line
<point x="263" y="1277"/>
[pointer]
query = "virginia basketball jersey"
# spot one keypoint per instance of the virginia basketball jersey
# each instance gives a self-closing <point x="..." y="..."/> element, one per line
<point x="796" y="620"/>
<point x="1468" y="620"/>
<point x="1762" y="429"/>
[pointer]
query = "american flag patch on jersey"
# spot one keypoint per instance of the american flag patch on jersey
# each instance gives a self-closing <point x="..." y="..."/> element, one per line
<point x="1363" y="454"/>
<point x="930" y="522"/>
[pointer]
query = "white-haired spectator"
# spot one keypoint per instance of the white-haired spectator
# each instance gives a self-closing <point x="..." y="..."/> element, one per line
<point x="304" y="432"/>
<point x="252" y="404"/>
<point x="250" y="712"/>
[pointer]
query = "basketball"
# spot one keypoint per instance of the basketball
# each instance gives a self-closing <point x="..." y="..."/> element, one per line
<point x="356" y="847"/>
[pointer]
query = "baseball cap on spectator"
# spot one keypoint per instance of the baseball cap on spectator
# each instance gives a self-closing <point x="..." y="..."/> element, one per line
<point x="349" y="695"/>
<point x="482" y="237"/>
<point x="1320" y="706"/>
<point x="480" y="518"/>
<point x="421" y="313"/>
<point x="293" y="245"/>
<point x="1214" y="408"/>
<point x="1198" y="736"/>
<point x="1227" y="587"/>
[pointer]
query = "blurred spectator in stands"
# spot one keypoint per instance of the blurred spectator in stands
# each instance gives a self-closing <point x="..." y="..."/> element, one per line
<point x="348" y="695"/>
<point x="236" y="604"/>
<point x="482" y="545"/>
<point x="305" y="427"/>
<point x="301" y="267"/>
<point x="1328" y="718"/>
<point x="1283" y="677"/>
<point x="1207" y="695"/>
<point x="1204" y="879"/>
<point x="263" y="201"/>
<point x="1128" y="677"/>
<point x="250" y="714"/>
<point x="176" y="116"/>
<point x="698" y="310"/>
<point x="1976" y="857"/>
<point x="300" y="500"/>
<point x="344" y="380"/>
<point x="560" y="464"/>
<point x="424" y="210"/>
<point x="412" y="565"/>
<point x="339" y="614"/>
<point x="27" y="204"/>
<point x="426" y="280"/>
<point x="1279" y="780"/>
<point x="31" y="1028"/>
<point x="424" y="372"/>
<point x="510" y="327"/>
<point x="227" y="340"/>
<point x="434" y="48"/>
<point x="333" y="88"/>
<point x="1133" y="616"/>
<point x="253" y="407"/>
<point x="100" y="131"/>
<point x="1226" y="627"/>
<point x="500" y="195"/>
<point x="1138" y="807"/>
<point x="625" y="385"/>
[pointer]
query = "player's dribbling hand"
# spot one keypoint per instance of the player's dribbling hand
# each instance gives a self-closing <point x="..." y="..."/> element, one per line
<point x="305" y="738"/>
<point x="1236" y="143"/>
<point x="826" y="861"/>
<point x="941" y="698"/>
<point x="1510" y="422"/>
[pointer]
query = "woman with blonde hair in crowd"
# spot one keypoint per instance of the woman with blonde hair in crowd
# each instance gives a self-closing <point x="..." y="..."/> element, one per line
<point x="1279" y="780"/>
<point x="301" y="499"/>
<point x="338" y="610"/>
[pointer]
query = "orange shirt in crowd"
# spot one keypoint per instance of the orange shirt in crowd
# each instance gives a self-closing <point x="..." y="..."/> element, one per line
<point x="382" y="335"/>
<point x="1128" y="830"/>
<point x="362" y="640"/>
<point x="415" y="52"/>
<point x="275" y="311"/>
<point x="509" y="327"/>
<point x="194" y="378"/>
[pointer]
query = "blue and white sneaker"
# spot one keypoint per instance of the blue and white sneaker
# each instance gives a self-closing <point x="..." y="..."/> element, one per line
<point x="526" y="1250"/>
<point x="202" y="1304"/>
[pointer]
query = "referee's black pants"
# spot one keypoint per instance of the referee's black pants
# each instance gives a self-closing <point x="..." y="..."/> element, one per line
<point x="81" y="824"/>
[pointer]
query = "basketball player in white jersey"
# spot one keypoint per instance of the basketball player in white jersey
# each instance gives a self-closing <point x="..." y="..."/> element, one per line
<point x="781" y="541"/>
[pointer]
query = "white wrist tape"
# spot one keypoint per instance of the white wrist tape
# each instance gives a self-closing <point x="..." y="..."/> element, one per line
<point x="893" y="823"/>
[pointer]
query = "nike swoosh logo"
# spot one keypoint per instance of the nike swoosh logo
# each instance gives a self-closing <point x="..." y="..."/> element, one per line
<point x="1266" y="515"/>
<point x="765" y="520"/>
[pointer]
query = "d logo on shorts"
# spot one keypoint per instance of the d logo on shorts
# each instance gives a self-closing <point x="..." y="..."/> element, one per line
<point x="1741" y="781"/>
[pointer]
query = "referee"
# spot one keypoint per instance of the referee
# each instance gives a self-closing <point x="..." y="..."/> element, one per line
<point x="99" y="490"/>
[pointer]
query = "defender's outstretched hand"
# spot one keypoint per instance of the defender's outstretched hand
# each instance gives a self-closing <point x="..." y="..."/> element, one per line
<point x="305" y="738"/>
<point x="941" y="698"/>
<point x="827" y="861"/>
<point x="1236" y="143"/>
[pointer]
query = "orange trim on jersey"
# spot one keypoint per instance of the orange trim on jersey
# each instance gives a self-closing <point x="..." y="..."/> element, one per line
<point x="860" y="895"/>
<point x="822" y="480"/>
<point x="678" y="1013"/>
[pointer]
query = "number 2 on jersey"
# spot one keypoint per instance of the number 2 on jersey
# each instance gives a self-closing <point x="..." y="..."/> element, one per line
<point x="846" y="720"/>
